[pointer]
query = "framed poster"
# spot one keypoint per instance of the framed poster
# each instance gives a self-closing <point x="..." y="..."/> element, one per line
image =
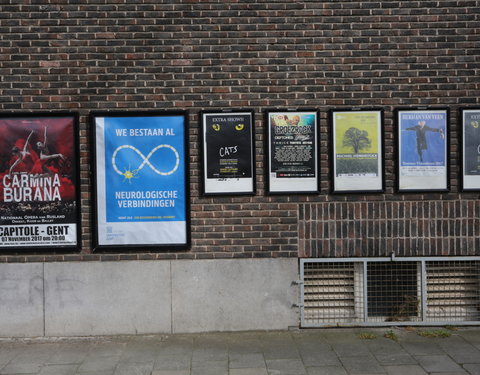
<point x="470" y="136"/>
<point x="357" y="151"/>
<point x="39" y="181"/>
<point x="292" y="151"/>
<point x="228" y="152"/>
<point x="422" y="144"/>
<point x="141" y="196"/>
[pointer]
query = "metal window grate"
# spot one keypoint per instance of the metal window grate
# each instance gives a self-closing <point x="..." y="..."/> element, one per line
<point x="382" y="291"/>
<point x="330" y="292"/>
<point x="393" y="291"/>
<point x="453" y="291"/>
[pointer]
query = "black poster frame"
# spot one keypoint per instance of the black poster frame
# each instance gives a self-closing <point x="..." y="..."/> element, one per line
<point x="466" y="186"/>
<point x="97" y="247"/>
<point x="55" y="248"/>
<point x="234" y="188"/>
<point x="446" y="186"/>
<point x="381" y="153"/>
<point x="270" y="180"/>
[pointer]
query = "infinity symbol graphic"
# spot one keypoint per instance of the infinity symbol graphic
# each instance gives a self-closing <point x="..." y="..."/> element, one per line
<point x="145" y="159"/>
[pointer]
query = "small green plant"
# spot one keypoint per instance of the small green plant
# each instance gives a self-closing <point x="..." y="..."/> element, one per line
<point x="451" y="328"/>
<point x="366" y="336"/>
<point x="391" y="335"/>
<point x="435" y="333"/>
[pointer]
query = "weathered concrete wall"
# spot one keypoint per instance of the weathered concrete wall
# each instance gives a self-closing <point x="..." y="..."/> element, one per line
<point x="225" y="295"/>
<point x="21" y="300"/>
<point x="104" y="298"/>
<point x="89" y="298"/>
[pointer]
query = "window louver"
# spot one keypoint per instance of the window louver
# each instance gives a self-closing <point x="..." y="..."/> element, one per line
<point x="339" y="292"/>
<point x="453" y="291"/>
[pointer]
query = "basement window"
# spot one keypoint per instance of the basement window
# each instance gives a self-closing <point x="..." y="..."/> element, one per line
<point x="393" y="293"/>
<point x="390" y="291"/>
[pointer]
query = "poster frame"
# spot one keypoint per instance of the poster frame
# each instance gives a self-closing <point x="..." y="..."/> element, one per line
<point x="267" y="147"/>
<point x="418" y="189"/>
<point x="204" y="162"/>
<point x="76" y="149"/>
<point x="462" y="137"/>
<point x="381" y="151"/>
<point x="96" y="246"/>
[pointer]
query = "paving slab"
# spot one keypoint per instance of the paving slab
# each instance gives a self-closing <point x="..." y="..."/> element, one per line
<point x="438" y="363"/>
<point x="107" y="349"/>
<point x="247" y="346"/>
<point x="7" y="354"/>
<point x="251" y="360"/>
<point x="58" y="370"/>
<point x="249" y="371"/>
<point x="134" y="369"/>
<point x="473" y="369"/>
<point x="171" y="372"/>
<point x="21" y="368"/>
<point x="139" y="353"/>
<point x="210" y="354"/>
<point x="389" y="352"/>
<point x="276" y="346"/>
<point x="321" y="360"/>
<point x="419" y="347"/>
<point x="326" y="370"/>
<point x="69" y="354"/>
<point x="286" y="367"/>
<point x="460" y="350"/>
<point x="173" y="363"/>
<point x="471" y="335"/>
<point x="308" y="352"/>
<point x="351" y="348"/>
<point x="406" y="369"/>
<point x="210" y="367"/>
<point x="362" y="365"/>
<point x="92" y="364"/>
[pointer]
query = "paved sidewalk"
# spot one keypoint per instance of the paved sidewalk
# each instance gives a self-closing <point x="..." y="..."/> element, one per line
<point x="302" y="352"/>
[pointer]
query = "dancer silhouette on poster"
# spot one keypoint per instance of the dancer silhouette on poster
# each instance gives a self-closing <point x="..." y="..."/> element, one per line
<point x="421" y="133"/>
<point x="39" y="167"/>
<point x="20" y="154"/>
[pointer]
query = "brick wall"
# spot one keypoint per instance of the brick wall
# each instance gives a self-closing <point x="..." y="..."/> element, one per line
<point x="210" y="54"/>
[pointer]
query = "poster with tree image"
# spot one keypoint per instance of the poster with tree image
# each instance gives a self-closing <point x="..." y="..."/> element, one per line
<point x="357" y="150"/>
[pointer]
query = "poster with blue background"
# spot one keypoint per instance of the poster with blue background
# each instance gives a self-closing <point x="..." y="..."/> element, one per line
<point x="422" y="139"/>
<point x="422" y="143"/>
<point x="143" y="181"/>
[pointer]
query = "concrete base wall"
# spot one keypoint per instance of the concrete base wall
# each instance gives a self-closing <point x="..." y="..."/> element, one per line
<point x="135" y="297"/>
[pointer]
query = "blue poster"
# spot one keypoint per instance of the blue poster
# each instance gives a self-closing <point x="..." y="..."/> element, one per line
<point x="422" y="136"/>
<point x="144" y="169"/>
